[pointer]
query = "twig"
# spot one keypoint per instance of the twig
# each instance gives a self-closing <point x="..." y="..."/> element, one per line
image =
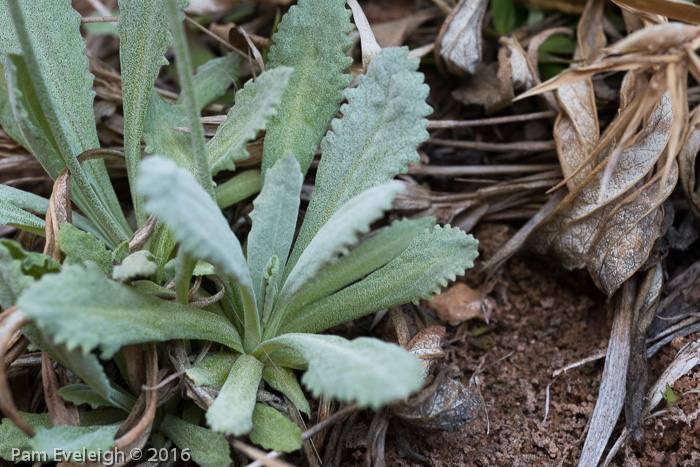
<point x="216" y="37"/>
<point x="447" y="124"/>
<point x="327" y="422"/>
<point x="525" y="146"/>
<point x="461" y="170"/>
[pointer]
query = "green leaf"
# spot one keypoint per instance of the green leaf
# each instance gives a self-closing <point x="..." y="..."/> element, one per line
<point x="274" y="431"/>
<point x="81" y="247"/>
<point x="144" y="38"/>
<point x="199" y="227"/>
<point x="433" y="258"/>
<point x="376" y="139"/>
<point x="212" y="370"/>
<point x="12" y="278"/>
<point x="16" y="217"/>
<point x="162" y="117"/>
<point x="312" y="38"/>
<point x="63" y="87"/>
<point x="274" y="219"/>
<point x="362" y="260"/>
<point x="207" y="448"/>
<point x="255" y="105"/>
<point x="365" y="370"/>
<point x="112" y="315"/>
<point x="232" y="411"/>
<point x="503" y="14"/>
<point x="7" y="117"/>
<point x="80" y="394"/>
<point x="64" y="443"/>
<point x="196" y="222"/>
<point x="214" y="78"/>
<point x="238" y="188"/>
<point x="139" y="264"/>
<point x="33" y="264"/>
<point x="333" y="240"/>
<point x="285" y="381"/>
<point x="12" y="437"/>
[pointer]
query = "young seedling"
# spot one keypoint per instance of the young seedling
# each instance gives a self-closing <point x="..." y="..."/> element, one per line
<point x="264" y="302"/>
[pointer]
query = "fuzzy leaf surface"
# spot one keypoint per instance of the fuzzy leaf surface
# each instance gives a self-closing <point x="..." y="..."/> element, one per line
<point x="255" y="105"/>
<point x="12" y="279"/>
<point x="212" y="370"/>
<point x="312" y="38"/>
<point x="74" y="439"/>
<point x="112" y="315"/>
<point x="17" y="217"/>
<point x="365" y="370"/>
<point x="432" y="259"/>
<point x="232" y="411"/>
<point x="214" y="78"/>
<point x="160" y="136"/>
<point x="80" y="247"/>
<point x="383" y="123"/>
<point x="274" y="220"/>
<point x="207" y="448"/>
<point x="138" y="264"/>
<point x="285" y="381"/>
<point x="273" y="431"/>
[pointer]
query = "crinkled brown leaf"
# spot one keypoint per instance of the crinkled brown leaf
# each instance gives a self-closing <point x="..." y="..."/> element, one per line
<point x="686" y="161"/>
<point x="425" y="346"/>
<point x="623" y="240"/>
<point x="680" y="10"/>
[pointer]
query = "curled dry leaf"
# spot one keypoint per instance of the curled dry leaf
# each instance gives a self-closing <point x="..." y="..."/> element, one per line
<point x="425" y="346"/>
<point x="686" y="161"/>
<point x="460" y="303"/>
<point x="458" y="44"/>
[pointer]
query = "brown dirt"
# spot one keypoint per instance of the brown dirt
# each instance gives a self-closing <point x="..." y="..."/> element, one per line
<point x="545" y="319"/>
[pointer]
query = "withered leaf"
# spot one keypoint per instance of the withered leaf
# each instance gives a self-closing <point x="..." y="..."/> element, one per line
<point x="425" y="346"/>
<point x="459" y="41"/>
<point x="623" y="240"/>
<point x="686" y="161"/>
<point x="446" y="404"/>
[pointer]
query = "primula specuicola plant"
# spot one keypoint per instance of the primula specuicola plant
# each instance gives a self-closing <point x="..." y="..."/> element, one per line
<point x="265" y="300"/>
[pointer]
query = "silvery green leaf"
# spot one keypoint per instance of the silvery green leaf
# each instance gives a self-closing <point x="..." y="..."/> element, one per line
<point x="361" y="261"/>
<point x="144" y="38"/>
<point x="284" y="380"/>
<point x="12" y="279"/>
<point x="63" y="86"/>
<point x="139" y="264"/>
<point x="238" y="188"/>
<point x="365" y="370"/>
<point x="173" y="195"/>
<point x="84" y="394"/>
<point x="255" y="105"/>
<point x="333" y="240"/>
<point x="431" y="260"/>
<point x="273" y="431"/>
<point x="383" y="123"/>
<point x="80" y="247"/>
<point x="112" y="315"/>
<point x="73" y="441"/>
<point x="207" y="448"/>
<point x="274" y="219"/>
<point x="7" y="117"/>
<point x="232" y="411"/>
<point x="212" y="370"/>
<point x="160" y="134"/>
<point x="312" y="38"/>
<point x="17" y="217"/>
<point x="214" y="78"/>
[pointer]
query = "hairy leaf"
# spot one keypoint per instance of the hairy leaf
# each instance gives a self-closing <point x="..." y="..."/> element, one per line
<point x="112" y="315"/>
<point x="16" y="217"/>
<point x="138" y="264"/>
<point x="274" y="220"/>
<point x="285" y="381"/>
<point x="362" y="260"/>
<point x="334" y="238"/>
<point x="214" y="78"/>
<point x="143" y="40"/>
<point x="212" y="370"/>
<point x="238" y="188"/>
<point x="63" y="86"/>
<point x="12" y="278"/>
<point x="7" y="117"/>
<point x="73" y="441"/>
<point x="33" y="264"/>
<point x="312" y="38"/>
<point x="376" y="139"/>
<point x="255" y="105"/>
<point x="80" y="394"/>
<point x="207" y="448"/>
<point x="80" y="247"/>
<point x="274" y="431"/>
<point x="232" y="411"/>
<point x="432" y="259"/>
<point x="160" y="135"/>
<point x="367" y="371"/>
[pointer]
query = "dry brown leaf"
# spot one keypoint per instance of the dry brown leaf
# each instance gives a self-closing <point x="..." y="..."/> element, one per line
<point x="460" y="303"/>
<point x="679" y="10"/>
<point x="394" y="33"/>
<point x="655" y="39"/>
<point x="426" y="347"/>
<point x="622" y="242"/>
<point x="569" y="231"/>
<point x="589" y="34"/>
<point x="459" y="42"/>
<point x="686" y="161"/>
